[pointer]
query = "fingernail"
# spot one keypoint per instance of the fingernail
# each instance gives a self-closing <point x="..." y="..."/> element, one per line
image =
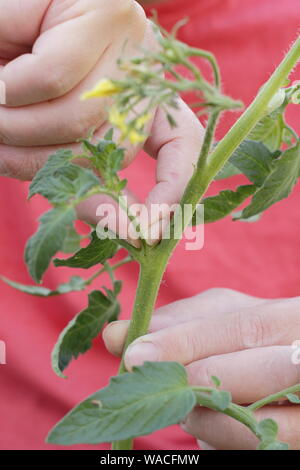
<point x="114" y="336"/>
<point x="115" y="328"/>
<point x="204" y="446"/>
<point x="140" y="352"/>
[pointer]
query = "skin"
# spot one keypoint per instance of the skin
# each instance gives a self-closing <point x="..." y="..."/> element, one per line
<point x="245" y="341"/>
<point x="53" y="51"/>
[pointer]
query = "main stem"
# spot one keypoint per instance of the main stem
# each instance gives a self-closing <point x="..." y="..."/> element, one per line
<point x="151" y="272"/>
<point x="156" y="259"/>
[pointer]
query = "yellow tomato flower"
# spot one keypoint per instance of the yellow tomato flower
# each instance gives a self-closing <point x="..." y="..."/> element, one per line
<point x="118" y="119"/>
<point x="103" y="88"/>
<point x="142" y="120"/>
<point x="135" y="137"/>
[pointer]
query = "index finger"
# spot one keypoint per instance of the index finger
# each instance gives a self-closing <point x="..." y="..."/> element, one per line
<point x="213" y="303"/>
<point x="265" y="325"/>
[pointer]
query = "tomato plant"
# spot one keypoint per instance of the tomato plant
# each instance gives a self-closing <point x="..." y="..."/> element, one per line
<point x="261" y="145"/>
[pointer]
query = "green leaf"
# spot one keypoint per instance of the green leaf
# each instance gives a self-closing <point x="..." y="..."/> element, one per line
<point x="254" y="160"/>
<point x="67" y="183"/>
<point x="72" y="241"/>
<point x="227" y="171"/>
<point x="278" y="185"/>
<point x="217" y="207"/>
<point x="152" y="397"/>
<point x="77" y="337"/>
<point x="75" y="284"/>
<point x="268" y="430"/>
<point x="269" y="131"/>
<point x="221" y="399"/>
<point x="238" y="216"/>
<point x="275" y="445"/>
<point x="48" y="240"/>
<point x="97" y="252"/>
<point x="107" y="158"/>
<point x="293" y="398"/>
<point x="55" y="161"/>
<point x="216" y="381"/>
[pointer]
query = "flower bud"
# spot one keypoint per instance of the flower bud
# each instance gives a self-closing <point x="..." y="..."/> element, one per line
<point x="276" y="101"/>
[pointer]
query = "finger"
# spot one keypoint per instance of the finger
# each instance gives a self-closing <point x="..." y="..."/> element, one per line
<point x="114" y="336"/>
<point x="24" y="162"/>
<point x="212" y="303"/>
<point x="103" y="211"/>
<point x="204" y="446"/>
<point x="177" y="151"/>
<point x="225" y="433"/>
<point x="271" y="369"/>
<point x="265" y="325"/>
<point x="60" y="121"/>
<point x="19" y="26"/>
<point x="73" y="38"/>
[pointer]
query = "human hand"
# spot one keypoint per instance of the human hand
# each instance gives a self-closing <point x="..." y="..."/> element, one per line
<point x="53" y="51"/>
<point x="242" y="340"/>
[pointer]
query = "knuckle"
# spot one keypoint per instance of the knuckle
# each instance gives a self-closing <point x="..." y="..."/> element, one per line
<point x="81" y="125"/>
<point x="251" y="330"/>
<point x="190" y="345"/>
<point x="128" y="10"/>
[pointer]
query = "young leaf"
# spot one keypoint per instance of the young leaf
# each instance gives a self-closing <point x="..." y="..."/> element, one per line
<point x="48" y="240"/>
<point x="293" y="398"/>
<point x="221" y="399"/>
<point x="97" y="252"/>
<point x="275" y="445"/>
<point x="217" y="207"/>
<point x="269" y="131"/>
<point x="107" y="157"/>
<point x="77" y="337"/>
<point x="57" y="160"/>
<point x="254" y="160"/>
<point x="268" y="430"/>
<point x="152" y="397"/>
<point x="216" y="381"/>
<point x="278" y="185"/>
<point x="68" y="182"/>
<point x="75" y="284"/>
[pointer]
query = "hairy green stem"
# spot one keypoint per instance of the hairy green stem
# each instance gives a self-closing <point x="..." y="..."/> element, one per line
<point x="274" y="397"/>
<point x="211" y="58"/>
<point x="254" y="112"/>
<point x="239" y="413"/>
<point x="149" y="281"/>
<point x="208" y="139"/>
<point x="156" y="259"/>
<point x="126" y="260"/>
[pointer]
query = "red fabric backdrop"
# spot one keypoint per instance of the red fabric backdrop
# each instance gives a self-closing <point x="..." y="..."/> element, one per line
<point x="263" y="259"/>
